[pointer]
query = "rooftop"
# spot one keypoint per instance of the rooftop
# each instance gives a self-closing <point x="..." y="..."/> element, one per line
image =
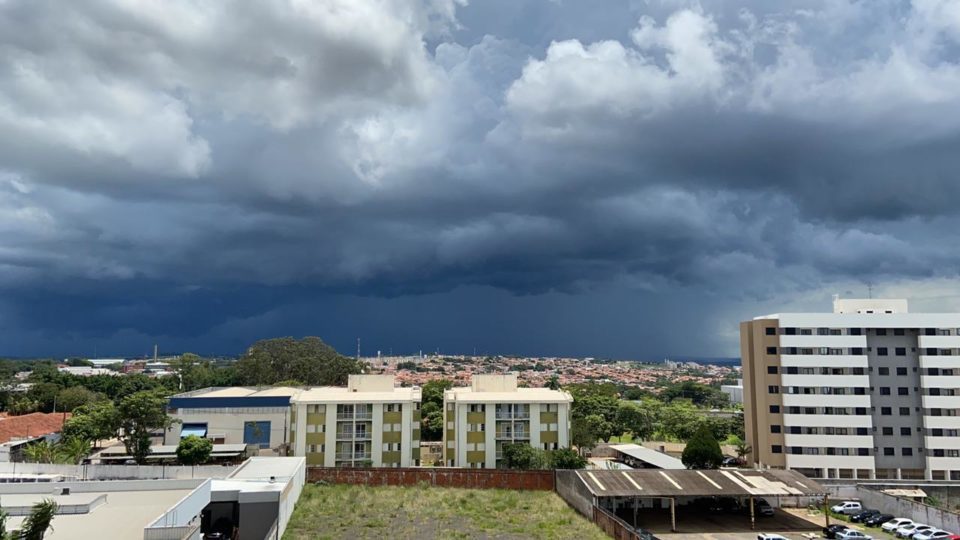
<point x="520" y="395"/>
<point x="30" y="425"/>
<point x="649" y="456"/>
<point x="240" y="391"/>
<point x="696" y="483"/>
<point x="339" y="394"/>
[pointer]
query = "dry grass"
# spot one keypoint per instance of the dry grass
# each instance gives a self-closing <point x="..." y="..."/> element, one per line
<point x="341" y="511"/>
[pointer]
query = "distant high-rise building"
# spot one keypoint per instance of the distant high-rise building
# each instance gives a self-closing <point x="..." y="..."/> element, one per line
<point x="868" y="391"/>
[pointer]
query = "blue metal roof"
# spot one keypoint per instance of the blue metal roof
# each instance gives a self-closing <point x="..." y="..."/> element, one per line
<point x="201" y="402"/>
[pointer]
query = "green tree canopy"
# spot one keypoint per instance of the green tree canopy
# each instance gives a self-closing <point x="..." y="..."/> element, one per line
<point x="702" y="451"/>
<point x="309" y="360"/>
<point x="698" y="394"/>
<point x="140" y="415"/>
<point x="584" y="432"/>
<point x="523" y="456"/>
<point x="565" y="458"/>
<point x="639" y="419"/>
<point x="40" y="518"/>
<point x="76" y="396"/>
<point x="194" y="450"/>
<point x="95" y="421"/>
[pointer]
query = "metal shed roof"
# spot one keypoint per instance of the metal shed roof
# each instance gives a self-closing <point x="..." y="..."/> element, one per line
<point x="696" y="483"/>
<point x="646" y="455"/>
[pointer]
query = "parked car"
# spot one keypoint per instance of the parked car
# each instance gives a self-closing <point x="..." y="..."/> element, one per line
<point x="732" y="462"/>
<point x="724" y="505"/>
<point x="878" y="520"/>
<point x="895" y="524"/>
<point x="831" y="531"/>
<point x="908" y="530"/>
<point x="762" y="507"/>
<point x="863" y="516"/>
<point x="847" y="507"/>
<point x="770" y="536"/>
<point x="852" y="534"/>
<point x="934" y="534"/>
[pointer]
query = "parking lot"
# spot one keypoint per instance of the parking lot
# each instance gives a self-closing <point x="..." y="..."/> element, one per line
<point x="728" y="526"/>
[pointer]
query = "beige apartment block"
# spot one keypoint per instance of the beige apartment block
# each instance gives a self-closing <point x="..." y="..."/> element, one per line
<point x="479" y="419"/>
<point x="371" y="422"/>
<point x="868" y="391"/>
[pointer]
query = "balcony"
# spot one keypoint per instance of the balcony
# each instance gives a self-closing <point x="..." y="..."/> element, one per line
<point x="347" y="456"/>
<point x="828" y="420"/>
<point x="815" y="380"/>
<point x="513" y="435"/>
<point x="833" y="342"/>
<point x="353" y="435"/>
<point x="825" y="400"/>
<point x="513" y="416"/>
<point x="818" y="360"/>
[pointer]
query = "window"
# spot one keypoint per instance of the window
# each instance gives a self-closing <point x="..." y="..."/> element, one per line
<point x="898" y="331"/>
<point x="887" y="431"/>
<point x="790" y="331"/>
<point x="884" y="390"/>
<point x="901" y="371"/>
<point x="881" y="331"/>
<point x="888" y="452"/>
<point x="906" y="451"/>
<point x="903" y="391"/>
<point x="861" y="431"/>
<point x="885" y="411"/>
<point x="776" y="449"/>
<point x="904" y="432"/>
<point x="860" y="411"/>
<point x="774" y="428"/>
<point x="883" y="371"/>
<point x="771" y="350"/>
<point x="938" y="452"/>
<point x="773" y="389"/>
<point x="771" y="331"/>
<point x="774" y="409"/>
<point x="863" y="451"/>
<point x="904" y="411"/>
<point x="881" y="351"/>
<point x="772" y="370"/>
<point x="856" y="351"/>
<point x="856" y="332"/>
<point x="901" y="351"/>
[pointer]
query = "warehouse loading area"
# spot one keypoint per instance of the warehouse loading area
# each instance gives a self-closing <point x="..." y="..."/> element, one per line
<point x="735" y="503"/>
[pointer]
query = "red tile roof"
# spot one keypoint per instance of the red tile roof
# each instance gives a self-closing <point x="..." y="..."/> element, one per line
<point x="30" y="425"/>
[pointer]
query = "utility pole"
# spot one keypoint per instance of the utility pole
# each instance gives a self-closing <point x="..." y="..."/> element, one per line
<point x="358" y="349"/>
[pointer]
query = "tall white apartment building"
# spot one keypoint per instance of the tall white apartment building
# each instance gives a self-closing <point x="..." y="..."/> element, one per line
<point x="493" y="411"/>
<point x="868" y="391"/>
<point x="369" y="423"/>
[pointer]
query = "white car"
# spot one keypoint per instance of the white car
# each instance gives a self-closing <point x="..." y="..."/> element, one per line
<point x="852" y="534"/>
<point x="906" y="531"/>
<point x="770" y="536"/>
<point x="935" y="534"/>
<point x="847" y="507"/>
<point x="895" y="524"/>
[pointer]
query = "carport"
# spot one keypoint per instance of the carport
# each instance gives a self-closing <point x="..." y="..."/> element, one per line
<point x="613" y="489"/>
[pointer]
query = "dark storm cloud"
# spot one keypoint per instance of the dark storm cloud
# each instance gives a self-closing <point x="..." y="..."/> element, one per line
<point x="209" y="175"/>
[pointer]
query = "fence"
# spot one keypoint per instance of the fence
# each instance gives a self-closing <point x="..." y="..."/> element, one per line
<point x="612" y="525"/>
<point x="460" y="478"/>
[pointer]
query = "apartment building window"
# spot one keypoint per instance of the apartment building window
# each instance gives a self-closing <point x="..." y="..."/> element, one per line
<point x="806" y="332"/>
<point x="771" y="350"/>
<point x="774" y="409"/>
<point x="860" y="411"/>
<point x="937" y="452"/>
<point x="883" y="371"/>
<point x="901" y="371"/>
<point x="881" y="351"/>
<point x="856" y="350"/>
<point x="861" y="431"/>
<point x="856" y="332"/>
<point x="886" y="411"/>
<point x="900" y="351"/>
<point x="904" y="411"/>
<point x="904" y="432"/>
<point x="906" y="451"/>
<point x="898" y="331"/>
<point x="863" y="451"/>
<point x="790" y="331"/>
<point x="772" y="370"/>
<point x="888" y="452"/>
<point x="881" y="331"/>
<point x="776" y="449"/>
<point x="774" y="428"/>
<point x="903" y="391"/>
<point x="773" y="389"/>
<point x="884" y="390"/>
<point x="771" y="331"/>
<point x="887" y="431"/>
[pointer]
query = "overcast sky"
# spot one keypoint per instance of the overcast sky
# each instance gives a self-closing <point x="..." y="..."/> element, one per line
<point x="616" y="179"/>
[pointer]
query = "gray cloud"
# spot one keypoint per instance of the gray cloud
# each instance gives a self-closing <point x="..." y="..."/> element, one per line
<point x="242" y="163"/>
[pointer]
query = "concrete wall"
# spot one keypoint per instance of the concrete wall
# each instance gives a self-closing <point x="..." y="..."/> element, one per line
<point x="118" y="472"/>
<point x="572" y="490"/>
<point x="900" y="507"/>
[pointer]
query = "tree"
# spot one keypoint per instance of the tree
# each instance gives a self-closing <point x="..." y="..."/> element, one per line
<point x="523" y="456"/>
<point x="76" y="396"/>
<point x="583" y="432"/>
<point x="42" y="451"/>
<point x="566" y="458"/>
<point x="140" y="415"/>
<point x="3" y="525"/>
<point x="742" y="448"/>
<point x="431" y="409"/>
<point x="39" y="520"/>
<point x="73" y="450"/>
<point x="702" y="451"/>
<point x="309" y="360"/>
<point x="553" y="382"/>
<point x="698" y="393"/>
<point x="679" y="420"/>
<point x="93" y="422"/>
<point x="591" y="399"/>
<point x="194" y="450"/>
<point x="639" y="420"/>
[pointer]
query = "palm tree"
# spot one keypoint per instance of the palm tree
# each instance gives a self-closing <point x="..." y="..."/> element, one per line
<point x="3" y="525"/>
<point x="73" y="450"/>
<point x="742" y="449"/>
<point x="40" y="452"/>
<point x="37" y="523"/>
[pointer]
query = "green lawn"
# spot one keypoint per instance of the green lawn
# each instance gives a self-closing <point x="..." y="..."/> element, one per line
<point x="341" y="511"/>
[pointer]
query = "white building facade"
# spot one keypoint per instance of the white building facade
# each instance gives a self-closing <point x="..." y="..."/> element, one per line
<point x="493" y="411"/>
<point x="868" y="391"/>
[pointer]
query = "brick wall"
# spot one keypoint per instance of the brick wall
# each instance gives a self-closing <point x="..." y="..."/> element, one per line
<point x="459" y="478"/>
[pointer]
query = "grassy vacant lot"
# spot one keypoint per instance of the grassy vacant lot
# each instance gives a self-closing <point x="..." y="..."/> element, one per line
<point x="340" y="511"/>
